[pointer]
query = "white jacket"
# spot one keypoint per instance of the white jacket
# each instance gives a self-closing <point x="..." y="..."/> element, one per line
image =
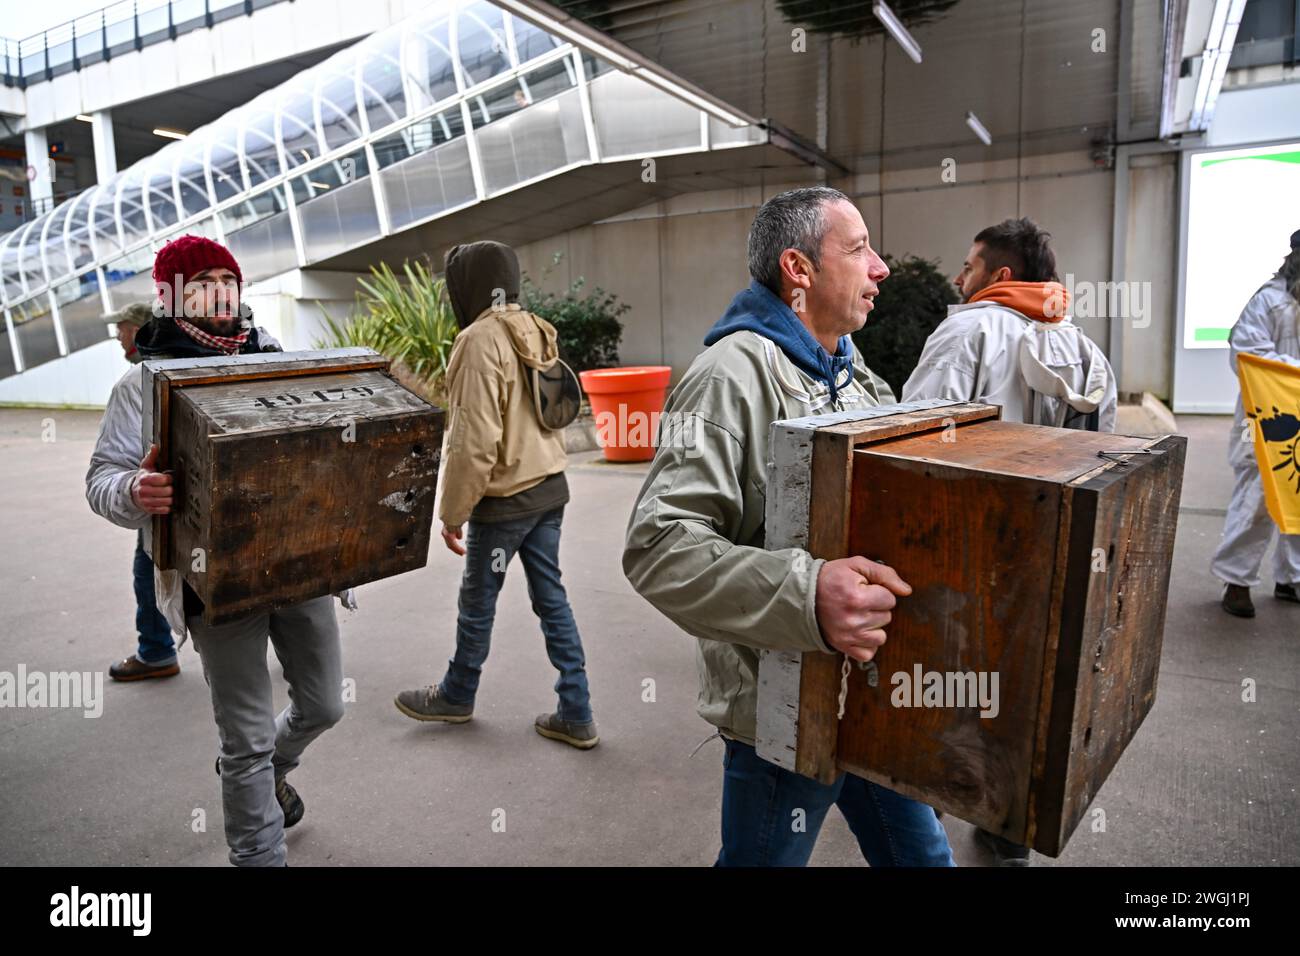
<point x="1269" y="326"/>
<point x="1039" y="372"/>
<point x="119" y="450"/>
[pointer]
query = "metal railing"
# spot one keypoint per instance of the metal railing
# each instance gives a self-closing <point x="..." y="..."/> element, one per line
<point x="116" y="29"/>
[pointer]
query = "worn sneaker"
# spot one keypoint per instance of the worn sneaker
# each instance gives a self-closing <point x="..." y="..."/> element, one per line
<point x="1237" y="602"/>
<point x="427" y="703"/>
<point x="135" y="669"/>
<point x="290" y="803"/>
<point x="1286" y="592"/>
<point x="580" y="735"/>
<point x="1005" y="853"/>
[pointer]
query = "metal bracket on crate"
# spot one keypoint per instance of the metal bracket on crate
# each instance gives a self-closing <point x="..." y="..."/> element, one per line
<point x="1116" y="455"/>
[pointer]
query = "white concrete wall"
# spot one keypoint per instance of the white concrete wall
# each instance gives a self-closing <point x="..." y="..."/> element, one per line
<point x="83" y="378"/>
<point x="240" y="43"/>
<point x="1151" y="254"/>
<point x="678" y="263"/>
<point x="1256" y="115"/>
<point x="289" y="306"/>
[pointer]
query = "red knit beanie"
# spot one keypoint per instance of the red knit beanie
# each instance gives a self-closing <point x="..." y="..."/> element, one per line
<point x="187" y="256"/>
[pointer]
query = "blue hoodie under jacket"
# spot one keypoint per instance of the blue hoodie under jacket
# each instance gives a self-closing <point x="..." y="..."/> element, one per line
<point x="759" y="309"/>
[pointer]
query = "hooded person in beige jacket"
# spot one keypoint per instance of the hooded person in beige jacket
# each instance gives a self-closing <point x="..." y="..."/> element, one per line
<point x="503" y="475"/>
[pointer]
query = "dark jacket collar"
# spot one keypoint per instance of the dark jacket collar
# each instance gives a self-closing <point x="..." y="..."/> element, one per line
<point x="759" y="309"/>
<point x="161" y="337"/>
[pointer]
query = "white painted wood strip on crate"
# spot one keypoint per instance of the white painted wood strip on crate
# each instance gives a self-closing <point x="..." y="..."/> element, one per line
<point x="789" y="490"/>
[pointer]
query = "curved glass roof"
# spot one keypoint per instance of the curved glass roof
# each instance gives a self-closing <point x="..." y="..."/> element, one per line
<point x="457" y="103"/>
<point x="430" y="58"/>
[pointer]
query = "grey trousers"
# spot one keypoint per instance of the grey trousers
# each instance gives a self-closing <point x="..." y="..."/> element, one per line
<point x="259" y="746"/>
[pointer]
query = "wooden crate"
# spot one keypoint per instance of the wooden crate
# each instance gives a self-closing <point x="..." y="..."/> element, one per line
<point x="296" y="475"/>
<point x="1039" y="555"/>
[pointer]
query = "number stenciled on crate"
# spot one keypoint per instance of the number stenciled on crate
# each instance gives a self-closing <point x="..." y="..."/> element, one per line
<point x="320" y="395"/>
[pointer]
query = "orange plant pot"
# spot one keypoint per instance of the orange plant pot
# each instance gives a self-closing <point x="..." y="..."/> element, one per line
<point x="626" y="403"/>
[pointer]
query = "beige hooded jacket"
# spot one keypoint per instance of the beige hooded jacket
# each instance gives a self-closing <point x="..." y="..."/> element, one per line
<point x="495" y="446"/>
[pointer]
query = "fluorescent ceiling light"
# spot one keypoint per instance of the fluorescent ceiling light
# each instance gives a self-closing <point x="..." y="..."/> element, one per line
<point x="169" y="133"/>
<point x="978" y="129"/>
<point x="1214" y="60"/>
<point x="84" y="118"/>
<point x="896" y="30"/>
<point x="312" y="182"/>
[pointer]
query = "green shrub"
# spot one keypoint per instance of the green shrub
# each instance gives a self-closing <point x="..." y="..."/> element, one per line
<point x="911" y="304"/>
<point x="588" y="325"/>
<point x="410" y="322"/>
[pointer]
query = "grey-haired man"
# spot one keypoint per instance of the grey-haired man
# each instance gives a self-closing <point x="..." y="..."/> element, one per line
<point x="695" y="539"/>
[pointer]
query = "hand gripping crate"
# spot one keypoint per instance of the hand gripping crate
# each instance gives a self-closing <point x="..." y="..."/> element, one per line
<point x="1022" y="664"/>
<point x="296" y="474"/>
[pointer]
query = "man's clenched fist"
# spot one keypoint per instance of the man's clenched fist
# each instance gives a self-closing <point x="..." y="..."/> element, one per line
<point x="854" y="598"/>
<point x="151" y="490"/>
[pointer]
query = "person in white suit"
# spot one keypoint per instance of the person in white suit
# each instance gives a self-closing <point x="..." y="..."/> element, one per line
<point x="1269" y="327"/>
<point x="1011" y="342"/>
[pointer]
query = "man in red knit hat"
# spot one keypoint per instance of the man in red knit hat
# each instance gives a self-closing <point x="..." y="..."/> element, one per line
<point x="199" y="313"/>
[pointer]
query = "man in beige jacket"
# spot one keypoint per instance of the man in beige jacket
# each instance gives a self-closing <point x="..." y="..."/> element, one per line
<point x="503" y="474"/>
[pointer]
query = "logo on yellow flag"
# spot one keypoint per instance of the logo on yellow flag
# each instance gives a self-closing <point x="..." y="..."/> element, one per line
<point x="1270" y="394"/>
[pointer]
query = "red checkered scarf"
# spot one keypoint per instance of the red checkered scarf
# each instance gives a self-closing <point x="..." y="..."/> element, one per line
<point x="230" y="344"/>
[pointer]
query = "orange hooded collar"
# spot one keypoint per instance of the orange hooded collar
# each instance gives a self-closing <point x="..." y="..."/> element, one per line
<point x="1040" y="301"/>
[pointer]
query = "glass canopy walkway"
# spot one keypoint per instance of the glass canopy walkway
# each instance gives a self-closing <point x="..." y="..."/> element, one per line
<point x="457" y="104"/>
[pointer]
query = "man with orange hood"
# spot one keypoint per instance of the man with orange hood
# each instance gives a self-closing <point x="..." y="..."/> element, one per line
<point x="1011" y="342"/>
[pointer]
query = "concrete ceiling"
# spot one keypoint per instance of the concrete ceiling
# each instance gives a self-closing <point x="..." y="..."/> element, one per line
<point x="1026" y="68"/>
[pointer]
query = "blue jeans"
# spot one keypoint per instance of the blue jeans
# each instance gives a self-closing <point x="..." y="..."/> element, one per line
<point x="489" y="547"/>
<point x="156" y="646"/>
<point x="771" y="817"/>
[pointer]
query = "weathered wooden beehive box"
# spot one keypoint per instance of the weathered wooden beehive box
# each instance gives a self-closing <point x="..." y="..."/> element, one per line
<point x="1022" y="664"/>
<point x="297" y="474"/>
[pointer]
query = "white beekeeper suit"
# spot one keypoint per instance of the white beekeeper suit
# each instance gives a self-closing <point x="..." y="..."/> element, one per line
<point x="1269" y="327"/>
<point x="1040" y="371"/>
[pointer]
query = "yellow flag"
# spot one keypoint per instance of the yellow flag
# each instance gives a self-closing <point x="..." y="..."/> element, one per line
<point x="1270" y="393"/>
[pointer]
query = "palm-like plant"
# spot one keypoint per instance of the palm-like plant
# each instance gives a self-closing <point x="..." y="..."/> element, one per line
<point x="410" y="322"/>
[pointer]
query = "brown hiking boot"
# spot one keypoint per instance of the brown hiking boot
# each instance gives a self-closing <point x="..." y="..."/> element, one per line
<point x="135" y="669"/>
<point x="1286" y="592"/>
<point x="1237" y="602"/>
